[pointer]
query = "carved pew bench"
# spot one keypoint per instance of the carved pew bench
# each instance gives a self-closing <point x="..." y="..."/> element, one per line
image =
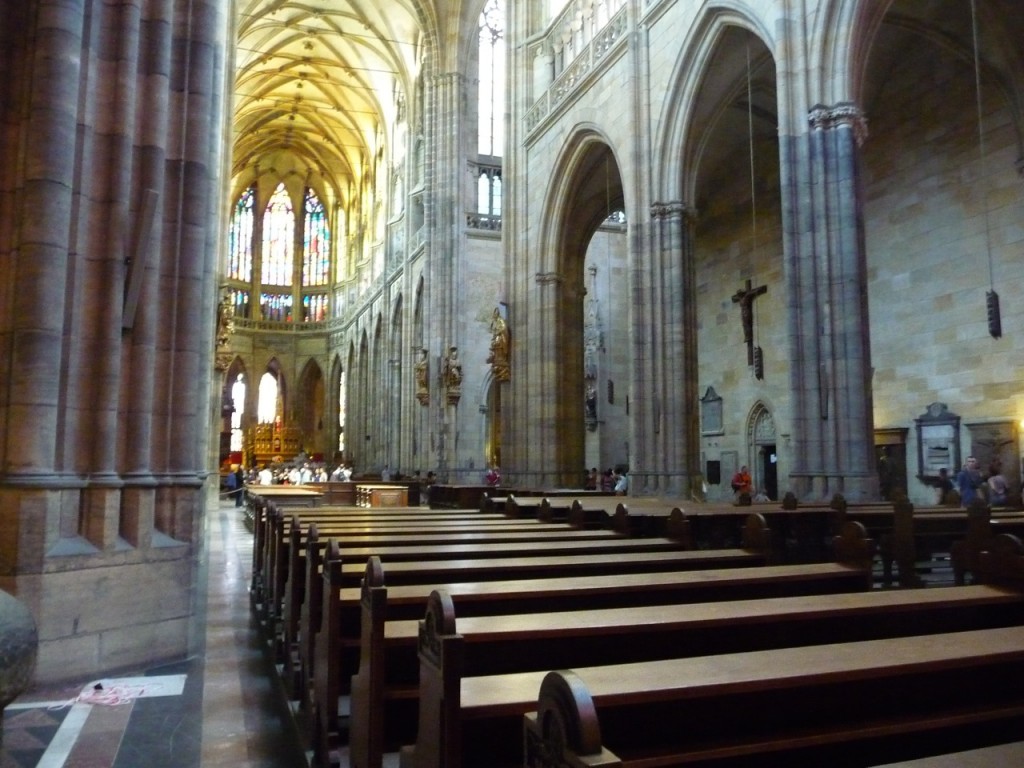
<point x="855" y="703"/>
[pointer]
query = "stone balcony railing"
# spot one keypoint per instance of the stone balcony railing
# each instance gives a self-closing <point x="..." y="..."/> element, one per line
<point x="575" y="45"/>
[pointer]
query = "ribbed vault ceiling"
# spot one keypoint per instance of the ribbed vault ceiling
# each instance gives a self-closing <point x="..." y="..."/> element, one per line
<point x="318" y="83"/>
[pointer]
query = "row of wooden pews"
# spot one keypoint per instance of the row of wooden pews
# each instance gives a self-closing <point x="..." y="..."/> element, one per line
<point x="925" y="700"/>
<point x="362" y="606"/>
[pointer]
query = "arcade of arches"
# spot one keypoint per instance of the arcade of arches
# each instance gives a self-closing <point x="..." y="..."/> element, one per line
<point x="555" y="234"/>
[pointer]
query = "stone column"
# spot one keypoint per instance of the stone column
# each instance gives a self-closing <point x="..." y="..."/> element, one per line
<point x="665" y="439"/>
<point x="40" y="264"/>
<point x="443" y="204"/>
<point x="827" y="290"/>
<point x="148" y="192"/>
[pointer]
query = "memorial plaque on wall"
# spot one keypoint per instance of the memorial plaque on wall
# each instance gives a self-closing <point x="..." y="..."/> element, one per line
<point x="938" y="441"/>
<point x="711" y="413"/>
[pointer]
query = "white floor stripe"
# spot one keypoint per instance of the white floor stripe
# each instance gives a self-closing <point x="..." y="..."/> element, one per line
<point x="64" y="740"/>
<point x="114" y="691"/>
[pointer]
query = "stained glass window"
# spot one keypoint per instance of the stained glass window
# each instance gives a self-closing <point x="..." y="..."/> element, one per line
<point x="276" y="307"/>
<point x="278" y="240"/>
<point x="316" y="244"/>
<point x="239" y="302"/>
<point x="240" y="237"/>
<point x="314" y="308"/>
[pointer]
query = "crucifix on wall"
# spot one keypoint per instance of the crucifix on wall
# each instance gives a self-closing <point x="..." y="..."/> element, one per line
<point x="745" y="298"/>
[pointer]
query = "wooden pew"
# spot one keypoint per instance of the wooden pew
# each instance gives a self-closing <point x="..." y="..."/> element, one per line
<point x="287" y="495"/>
<point x="917" y="534"/>
<point x="461" y="496"/>
<point x="545" y="579"/>
<point x="982" y="526"/>
<point x="271" y="564"/>
<point x="275" y="555"/>
<point x="345" y="609"/>
<point x="454" y="658"/>
<point x="566" y="634"/>
<point x="842" y="704"/>
<point x="300" y="610"/>
<point x="305" y="565"/>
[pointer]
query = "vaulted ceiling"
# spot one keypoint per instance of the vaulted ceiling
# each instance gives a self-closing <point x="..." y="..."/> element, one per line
<point x="319" y="83"/>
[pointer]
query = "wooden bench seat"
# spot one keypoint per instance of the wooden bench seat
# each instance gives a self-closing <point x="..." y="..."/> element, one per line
<point x="382" y="704"/>
<point x="343" y="609"/>
<point x="275" y="552"/>
<point x="461" y="496"/>
<point x="841" y="704"/>
<point x="301" y="592"/>
<point x="982" y="527"/>
<point x="916" y="535"/>
<point x="297" y="581"/>
<point x="541" y="553"/>
<point x="287" y="495"/>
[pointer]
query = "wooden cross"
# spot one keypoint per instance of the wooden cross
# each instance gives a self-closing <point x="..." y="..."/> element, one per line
<point x="745" y="298"/>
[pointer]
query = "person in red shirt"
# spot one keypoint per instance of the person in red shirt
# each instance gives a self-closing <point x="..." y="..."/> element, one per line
<point x="741" y="482"/>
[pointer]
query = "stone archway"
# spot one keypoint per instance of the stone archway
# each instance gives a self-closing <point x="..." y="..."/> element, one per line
<point x="762" y="449"/>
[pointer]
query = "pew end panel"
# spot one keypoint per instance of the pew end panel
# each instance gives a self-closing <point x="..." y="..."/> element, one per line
<point x="1002" y="564"/>
<point x="883" y="710"/>
<point x="439" y="727"/>
<point x="679" y="529"/>
<point x="367" y="692"/>
<point x="329" y="654"/>
<point x="853" y="547"/>
<point x="757" y="536"/>
<point x="564" y="731"/>
<point x="580" y="517"/>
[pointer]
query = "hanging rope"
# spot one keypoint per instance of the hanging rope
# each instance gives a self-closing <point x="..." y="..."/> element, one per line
<point x="981" y="136"/>
<point x="995" y="323"/>
<point x="750" y="147"/>
<point x="758" y="355"/>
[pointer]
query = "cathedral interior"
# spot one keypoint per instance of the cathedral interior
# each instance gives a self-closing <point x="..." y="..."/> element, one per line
<point x="670" y="238"/>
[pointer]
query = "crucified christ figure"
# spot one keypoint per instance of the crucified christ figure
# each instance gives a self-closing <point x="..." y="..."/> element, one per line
<point x="745" y="298"/>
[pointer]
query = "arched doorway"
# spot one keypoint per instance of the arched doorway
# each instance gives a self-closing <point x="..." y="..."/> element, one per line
<point x="762" y="447"/>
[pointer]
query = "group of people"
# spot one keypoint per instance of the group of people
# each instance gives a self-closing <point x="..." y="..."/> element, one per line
<point x="611" y="480"/>
<point x="971" y="484"/>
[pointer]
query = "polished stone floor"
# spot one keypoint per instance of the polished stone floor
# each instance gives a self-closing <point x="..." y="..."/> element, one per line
<point x="221" y="708"/>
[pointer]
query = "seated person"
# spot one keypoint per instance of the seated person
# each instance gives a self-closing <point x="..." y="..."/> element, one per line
<point x="997" y="487"/>
<point x="742" y="482"/>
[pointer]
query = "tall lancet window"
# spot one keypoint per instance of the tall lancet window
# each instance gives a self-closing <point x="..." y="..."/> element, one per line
<point x="240" y="237"/>
<point x="491" y="105"/>
<point x="316" y="243"/>
<point x="278" y="240"/>
<point x="316" y="259"/>
<point x="490" y="116"/>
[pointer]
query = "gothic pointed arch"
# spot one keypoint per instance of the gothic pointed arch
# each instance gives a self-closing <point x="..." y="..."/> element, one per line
<point x="310" y="408"/>
<point x="716" y="29"/>
<point x="762" y="449"/>
<point x="585" y="190"/>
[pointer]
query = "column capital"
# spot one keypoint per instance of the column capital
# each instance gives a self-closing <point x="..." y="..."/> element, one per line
<point x="846" y="113"/>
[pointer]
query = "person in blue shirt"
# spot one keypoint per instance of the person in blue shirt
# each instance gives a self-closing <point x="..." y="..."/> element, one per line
<point x="968" y="480"/>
